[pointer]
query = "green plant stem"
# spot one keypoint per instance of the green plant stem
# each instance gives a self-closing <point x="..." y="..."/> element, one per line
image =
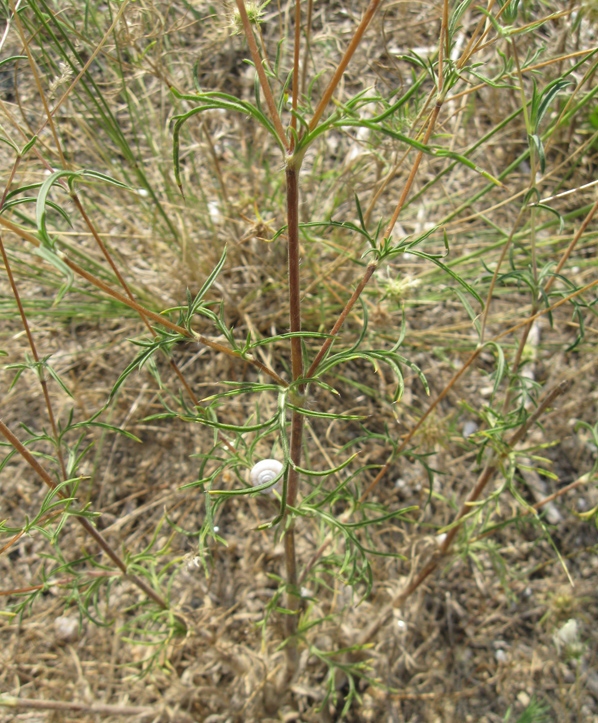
<point x="86" y="524"/>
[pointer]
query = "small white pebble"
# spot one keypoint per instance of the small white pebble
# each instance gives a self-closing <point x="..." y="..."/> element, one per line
<point x="214" y="211"/>
<point x="501" y="656"/>
<point x="523" y="698"/>
<point x="66" y="628"/>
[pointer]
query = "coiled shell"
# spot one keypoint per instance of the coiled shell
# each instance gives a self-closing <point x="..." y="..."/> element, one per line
<point x="265" y="471"/>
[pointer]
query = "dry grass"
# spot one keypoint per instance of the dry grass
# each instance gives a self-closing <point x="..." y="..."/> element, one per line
<point x="477" y="636"/>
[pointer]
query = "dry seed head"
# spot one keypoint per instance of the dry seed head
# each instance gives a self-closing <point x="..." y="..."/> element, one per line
<point x="255" y="12"/>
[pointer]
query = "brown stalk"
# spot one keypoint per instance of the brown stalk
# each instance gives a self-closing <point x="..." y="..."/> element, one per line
<point x="91" y="709"/>
<point x="310" y="8"/>
<point x="342" y="66"/>
<point x="87" y="526"/>
<point x="38" y="83"/>
<point x="296" y="49"/>
<point x="292" y="599"/>
<point x="157" y="318"/>
<point x="128" y="292"/>
<point x="474" y="495"/>
<point x="262" y="75"/>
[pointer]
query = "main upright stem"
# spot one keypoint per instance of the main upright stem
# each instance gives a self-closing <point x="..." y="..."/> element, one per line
<point x="292" y="596"/>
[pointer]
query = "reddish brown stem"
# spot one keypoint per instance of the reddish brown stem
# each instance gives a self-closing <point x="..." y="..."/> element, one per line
<point x="341" y="320"/>
<point x="292" y="598"/>
<point x="296" y="49"/>
<point x="294" y="286"/>
<point x="342" y="66"/>
<point x="262" y="75"/>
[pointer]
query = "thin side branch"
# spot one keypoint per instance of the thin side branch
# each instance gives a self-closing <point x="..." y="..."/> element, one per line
<point x="342" y="66"/>
<point x="85" y="524"/>
<point x="474" y="495"/>
<point x="157" y="318"/>
<point x="262" y="76"/>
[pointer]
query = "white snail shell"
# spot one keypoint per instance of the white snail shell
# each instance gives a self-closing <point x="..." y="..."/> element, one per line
<point x="265" y="471"/>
